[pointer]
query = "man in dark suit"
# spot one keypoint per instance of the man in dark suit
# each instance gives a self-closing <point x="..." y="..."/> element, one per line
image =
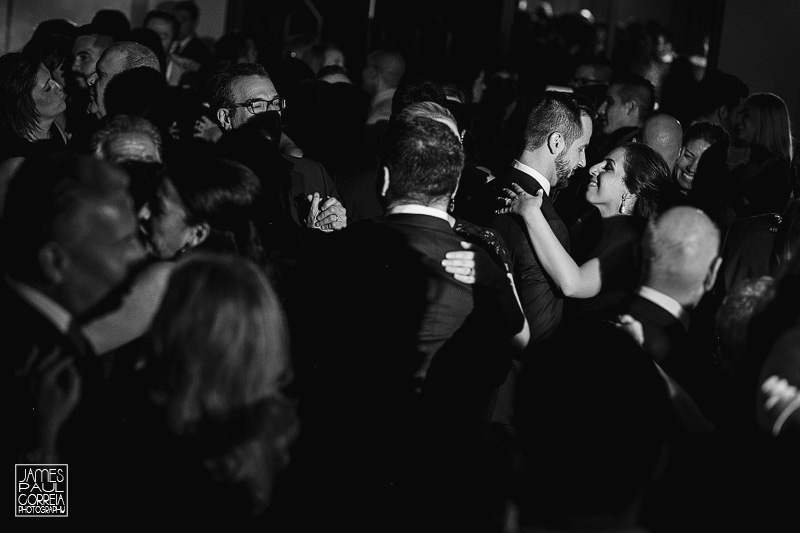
<point x="396" y="310"/>
<point x="681" y="262"/>
<point x="558" y="131"/>
<point x="247" y="107"/>
<point x="188" y="44"/>
<point x="70" y="239"/>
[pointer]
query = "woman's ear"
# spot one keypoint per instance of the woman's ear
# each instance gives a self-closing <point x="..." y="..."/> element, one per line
<point x="200" y="233"/>
<point x="627" y="203"/>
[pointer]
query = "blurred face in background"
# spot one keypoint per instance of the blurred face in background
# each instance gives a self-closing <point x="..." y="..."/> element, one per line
<point x="86" y="52"/>
<point x="688" y="159"/>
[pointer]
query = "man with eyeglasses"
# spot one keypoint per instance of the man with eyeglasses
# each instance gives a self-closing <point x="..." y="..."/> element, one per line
<point x="243" y="94"/>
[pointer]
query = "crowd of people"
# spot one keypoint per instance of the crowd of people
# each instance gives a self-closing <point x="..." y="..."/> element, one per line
<point x="286" y="295"/>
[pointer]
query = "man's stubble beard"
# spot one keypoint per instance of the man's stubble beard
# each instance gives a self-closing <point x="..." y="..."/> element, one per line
<point x="563" y="172"/>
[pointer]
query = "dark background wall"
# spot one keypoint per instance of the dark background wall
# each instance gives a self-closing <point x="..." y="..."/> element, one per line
<point x="756" y="40"/>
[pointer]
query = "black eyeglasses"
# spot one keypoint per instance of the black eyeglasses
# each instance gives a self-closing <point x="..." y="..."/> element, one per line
<point x="260" y="106"/>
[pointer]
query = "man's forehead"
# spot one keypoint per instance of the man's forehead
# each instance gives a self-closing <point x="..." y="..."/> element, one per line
<point x="252" y="86"/>
<point x="85" y="43"/>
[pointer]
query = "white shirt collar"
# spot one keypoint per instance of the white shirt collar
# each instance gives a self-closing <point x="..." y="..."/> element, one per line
<point x="668" y="303"/>
<point x="535" y="174"/>
<point x="59" y="316"/>
<point x="417" y="209"/>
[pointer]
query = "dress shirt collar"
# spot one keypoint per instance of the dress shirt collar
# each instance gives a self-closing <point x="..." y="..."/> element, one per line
<point x="417" y="209"/>
<point x="56" y="314"/>
<point x="668" y="303"/>
<point x="535" y="174"/>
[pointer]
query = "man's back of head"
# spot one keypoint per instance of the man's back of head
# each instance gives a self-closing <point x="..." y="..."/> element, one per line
<point x="418" y="90"/>
<point x="424" y="160"/>
<point x="135" y="55"/>
<point x="681" y="252"/>
<point x="387" y="68"/>
<point x="664" y="134"/>
<point x="719" y="97"/>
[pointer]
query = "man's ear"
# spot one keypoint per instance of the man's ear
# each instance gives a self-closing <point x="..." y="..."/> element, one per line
<point x="555" y="142"/>
<point x="631" y="107"/>
<point x="711" y="277"/>
<point x="385" y="186"/>
<point x="224" y="118"/>
<point x="53" y="262"/>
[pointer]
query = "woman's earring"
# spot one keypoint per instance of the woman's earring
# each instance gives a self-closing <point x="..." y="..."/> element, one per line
<point x="623" y="210"/>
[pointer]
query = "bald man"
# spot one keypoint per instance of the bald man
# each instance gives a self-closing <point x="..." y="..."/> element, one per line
<point x="117" y="58"/>
<point x="664" y="134"/>
<point x="681" y="261"/>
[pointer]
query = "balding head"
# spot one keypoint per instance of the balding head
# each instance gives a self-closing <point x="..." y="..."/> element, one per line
<point x="681" y="251"/>
<point x="118" y="58"/>
<point x="664" y="134"/>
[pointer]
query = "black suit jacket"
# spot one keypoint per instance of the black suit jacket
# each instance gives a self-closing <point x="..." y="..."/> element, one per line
<point x="678" y="352"/>
<point x="541" y="299"/>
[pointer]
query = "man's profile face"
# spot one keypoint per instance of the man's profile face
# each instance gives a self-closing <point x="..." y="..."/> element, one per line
<point x="573" y="156"/>
<point x="246" y="89"/>
<point x="163" y="29"/>
<point x="110" y="64"/>
<point x="85" y="54"/>
<point x="613" y="112"/>
<point x="103" y="246"/>
<point x="186" y="24"/>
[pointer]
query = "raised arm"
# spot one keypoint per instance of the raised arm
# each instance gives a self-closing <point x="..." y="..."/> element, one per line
<point x="575" y="281"/>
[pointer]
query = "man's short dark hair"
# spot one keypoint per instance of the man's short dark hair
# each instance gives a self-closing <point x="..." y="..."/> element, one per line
<point x="424" y="158"/>
<point x="190" y="8"/>
<point x="635" y="88"/>
<point x="220" y="94"/>
<point x="112" y="22"/>
<point x="719" y="88"/>
<point x="165" y="16"/>
<point x="556" y="111"/>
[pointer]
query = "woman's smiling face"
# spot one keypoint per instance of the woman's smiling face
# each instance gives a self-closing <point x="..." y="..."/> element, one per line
<point x="607" y="183"/>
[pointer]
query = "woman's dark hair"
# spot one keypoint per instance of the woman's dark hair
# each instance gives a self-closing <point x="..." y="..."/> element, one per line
<point x="53" y="50"/>
<point x="18" y="114"/>
<point x="223" y="194"/>
<point x="647" y="176"/>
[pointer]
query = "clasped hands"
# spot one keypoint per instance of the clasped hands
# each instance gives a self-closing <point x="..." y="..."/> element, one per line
<point x="327" y="215"/>
<point x="518" y="201"/>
